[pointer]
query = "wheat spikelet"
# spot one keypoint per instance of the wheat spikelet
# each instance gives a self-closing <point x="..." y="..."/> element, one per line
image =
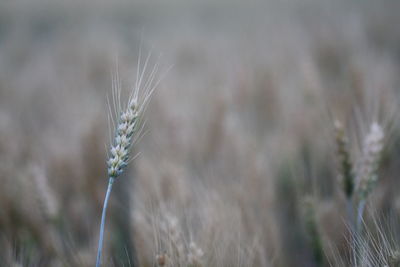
<point x="162" y="259"/>
<point x="367" y="173"/>
<point x="129" y="126"/>
<point x="46" y="199"/>
<point x="313" y="231"/>
<point x="194" y="256"/>
<point x="173" y="232"/>
<point x="175" y="250"/>
<point x="346" y="169"/>
<point x="345" y="164"/>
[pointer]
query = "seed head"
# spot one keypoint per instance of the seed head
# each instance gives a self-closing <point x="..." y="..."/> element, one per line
<point x="195" y="254"/>
<point x="373" y="146"/>
<point x="162" y="259"/>
<point x="122" y="142"/>
<point x="345" y="164"/>
<point x="128" y="118"/>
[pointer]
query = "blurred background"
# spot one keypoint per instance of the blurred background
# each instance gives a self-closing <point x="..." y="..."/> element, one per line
<point x="240" y="137"/>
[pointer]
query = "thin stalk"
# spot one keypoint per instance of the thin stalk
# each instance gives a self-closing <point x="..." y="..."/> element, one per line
<point x="350" y="214"/>
<point x="103" y="219"/>
<point x="360" y="212"/>
<point x="352" y="226"/>
<point x="357" y="236"/>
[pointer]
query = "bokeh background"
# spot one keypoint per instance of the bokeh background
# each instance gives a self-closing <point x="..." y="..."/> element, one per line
<point x="239" y="139"/>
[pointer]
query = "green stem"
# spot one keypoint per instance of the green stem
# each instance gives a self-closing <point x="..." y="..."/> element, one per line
<point x="103" y="219"/>
<point x="350" y="214"/>
<point x="360" y="215"/>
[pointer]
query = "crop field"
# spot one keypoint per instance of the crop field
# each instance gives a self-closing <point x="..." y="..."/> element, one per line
<point x="229" y="133"/>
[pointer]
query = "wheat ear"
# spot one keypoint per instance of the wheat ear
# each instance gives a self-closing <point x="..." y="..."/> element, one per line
<point x="368" y="171"/>
<point x="346" y="169"/>
<point x="127" y="131"/>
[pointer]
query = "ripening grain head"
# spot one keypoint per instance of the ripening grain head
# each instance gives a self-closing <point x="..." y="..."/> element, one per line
<point x="344" y="158"/>
<point x="373" y="146"/>
<point x="127" y="117"/>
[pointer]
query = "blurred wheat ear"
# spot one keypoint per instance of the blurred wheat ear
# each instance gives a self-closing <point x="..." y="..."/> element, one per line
<point x="346" y="169"/>
<point x="127" y="121"/>
<point x="368" y="170"/>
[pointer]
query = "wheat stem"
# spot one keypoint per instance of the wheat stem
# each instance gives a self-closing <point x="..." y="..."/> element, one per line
<point x="360" y="212"/>
<point x="103" y="219"/>
<point x="350" y="214"/>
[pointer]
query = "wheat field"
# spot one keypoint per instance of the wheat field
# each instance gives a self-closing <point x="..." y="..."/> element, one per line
<point x="271" y="138"/>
